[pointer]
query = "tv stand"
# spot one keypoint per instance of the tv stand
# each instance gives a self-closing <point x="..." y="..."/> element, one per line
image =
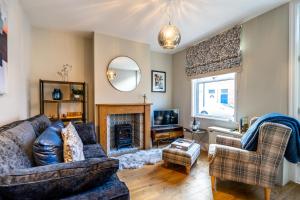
<point x="166" y="133"/>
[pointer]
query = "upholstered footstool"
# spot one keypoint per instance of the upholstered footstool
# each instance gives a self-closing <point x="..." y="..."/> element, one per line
<point x="181" y="157"/>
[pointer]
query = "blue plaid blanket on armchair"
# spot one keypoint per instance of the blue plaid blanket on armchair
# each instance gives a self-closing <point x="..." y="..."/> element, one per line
<point x="292" y="153"/>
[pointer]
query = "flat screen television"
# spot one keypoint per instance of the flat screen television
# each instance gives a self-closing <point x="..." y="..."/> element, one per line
<point x="166" y="117"/>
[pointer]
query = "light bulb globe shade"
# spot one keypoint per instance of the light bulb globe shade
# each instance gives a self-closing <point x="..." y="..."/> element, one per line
<point x="169" y="37"/>
<point x="111" y="75"/>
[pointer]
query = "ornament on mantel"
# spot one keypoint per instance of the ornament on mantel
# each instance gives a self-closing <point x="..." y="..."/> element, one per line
<point x="145" y="98"/>
<point x="64" y="72"/>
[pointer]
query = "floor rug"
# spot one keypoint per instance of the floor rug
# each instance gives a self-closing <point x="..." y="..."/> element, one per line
<point x="139" y="159"/>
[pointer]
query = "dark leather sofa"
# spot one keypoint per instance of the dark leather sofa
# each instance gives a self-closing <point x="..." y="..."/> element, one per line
<point x="109" y="188"/>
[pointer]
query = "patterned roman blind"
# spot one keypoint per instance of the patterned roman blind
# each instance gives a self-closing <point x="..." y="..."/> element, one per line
<point x="217" y="55"/>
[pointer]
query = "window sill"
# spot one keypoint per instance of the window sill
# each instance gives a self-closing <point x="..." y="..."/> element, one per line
<point x="213" y="118"/>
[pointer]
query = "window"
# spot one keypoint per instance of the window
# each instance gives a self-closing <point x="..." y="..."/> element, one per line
<point x="214" y="96"/>
<point x="224" y="96"/>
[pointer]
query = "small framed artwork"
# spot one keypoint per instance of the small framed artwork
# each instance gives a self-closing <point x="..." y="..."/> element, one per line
<point x="158" y="81"/>
<point x="3" y="47"/>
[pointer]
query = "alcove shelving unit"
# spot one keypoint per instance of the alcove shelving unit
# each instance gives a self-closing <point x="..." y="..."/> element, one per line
<point x="68" y="108"/>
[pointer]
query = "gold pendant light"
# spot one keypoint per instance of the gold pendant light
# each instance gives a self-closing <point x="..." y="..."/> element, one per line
<point x="169" y="36"/>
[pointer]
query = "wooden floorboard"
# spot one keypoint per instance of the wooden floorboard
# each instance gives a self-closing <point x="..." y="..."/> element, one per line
<point x="155" y="182"/>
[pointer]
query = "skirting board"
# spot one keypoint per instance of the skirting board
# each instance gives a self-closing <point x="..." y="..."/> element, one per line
<point x="288" y="172"/>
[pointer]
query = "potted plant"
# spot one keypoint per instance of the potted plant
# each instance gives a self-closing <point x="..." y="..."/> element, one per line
<point x="77" y="93"/>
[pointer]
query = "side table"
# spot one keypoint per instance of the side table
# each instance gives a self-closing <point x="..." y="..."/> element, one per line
<point x="194" y="133"/>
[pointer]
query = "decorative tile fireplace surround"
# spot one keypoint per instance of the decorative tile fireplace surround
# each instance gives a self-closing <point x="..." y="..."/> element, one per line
<point x="135" y="120"/>
<point x="137" y="115"/>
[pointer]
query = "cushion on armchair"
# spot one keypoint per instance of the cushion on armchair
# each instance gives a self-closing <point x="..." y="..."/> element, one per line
<point x="86" y="132"/>
<point x="48" y="147"/>
<point x="56" y="181"/>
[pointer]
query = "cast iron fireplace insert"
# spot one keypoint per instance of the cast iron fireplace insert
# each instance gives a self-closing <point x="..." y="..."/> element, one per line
<point x="123" y="135"/>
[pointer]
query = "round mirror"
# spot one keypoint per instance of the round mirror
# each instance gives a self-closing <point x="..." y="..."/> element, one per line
<point x="123" y="73"/>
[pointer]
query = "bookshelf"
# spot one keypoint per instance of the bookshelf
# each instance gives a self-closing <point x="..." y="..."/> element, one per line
<point x="70" y="107"/>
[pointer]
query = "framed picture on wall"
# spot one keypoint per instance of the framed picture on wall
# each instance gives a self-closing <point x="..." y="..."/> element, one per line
<point x="158" y="81"/>
<point x="3" y="47"/>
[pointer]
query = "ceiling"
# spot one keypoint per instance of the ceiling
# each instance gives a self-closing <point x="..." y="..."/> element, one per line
<point x="141" y="20"/>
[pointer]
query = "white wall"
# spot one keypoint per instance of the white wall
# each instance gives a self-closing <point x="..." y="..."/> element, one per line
<point x="106" y="48"/>
<point x="15" y="105"/>
<point x="263" y="83"/>
<point x="50" y="51"/>
<point x="181" y="88"/>
<point x="162" y="62"/>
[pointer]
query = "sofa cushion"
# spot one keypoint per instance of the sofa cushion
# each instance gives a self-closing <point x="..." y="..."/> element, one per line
<point x="55" y="181"/>
<point x="11" y="156"/>
<point x="73" y="147"/>
<point x="40" y="123"/>
<point x="86" y="132"/>
<point x="48" y="147"/>
<point x="113" y="188"/>
<point x="93" y="151"/>
<point x="24" y="136"/>
<point x="10" y="125"/>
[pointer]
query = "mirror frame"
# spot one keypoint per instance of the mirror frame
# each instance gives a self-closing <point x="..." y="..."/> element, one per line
<point x="107" y="68"/>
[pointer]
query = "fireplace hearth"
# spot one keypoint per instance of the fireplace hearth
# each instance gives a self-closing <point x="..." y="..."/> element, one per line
<point x="123" y="135"/>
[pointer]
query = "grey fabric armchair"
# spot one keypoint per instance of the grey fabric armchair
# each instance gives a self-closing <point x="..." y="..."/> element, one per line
<point x="229" y="162"/>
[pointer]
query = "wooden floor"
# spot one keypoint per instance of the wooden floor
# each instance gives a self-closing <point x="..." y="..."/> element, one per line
<point x="155" y="182"/>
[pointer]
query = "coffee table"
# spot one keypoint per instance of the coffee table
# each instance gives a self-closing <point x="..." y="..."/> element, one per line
<point x="181" y="157"/>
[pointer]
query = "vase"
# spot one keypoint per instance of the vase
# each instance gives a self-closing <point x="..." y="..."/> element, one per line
<point x="195" y="125"/>
<point x="56" y="94"/>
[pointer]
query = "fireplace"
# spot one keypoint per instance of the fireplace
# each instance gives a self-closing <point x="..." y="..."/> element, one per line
<point x="137" y="115"/>
<point x="123" y="135"/>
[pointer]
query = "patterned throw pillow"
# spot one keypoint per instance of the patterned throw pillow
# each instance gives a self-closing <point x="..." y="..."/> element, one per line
<point x="11" y="156"/>
<point x="24" y="136"/>
<point x="73" y="147"/>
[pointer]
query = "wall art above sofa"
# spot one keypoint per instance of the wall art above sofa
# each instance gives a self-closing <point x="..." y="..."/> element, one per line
<point x="3" y="47"/>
